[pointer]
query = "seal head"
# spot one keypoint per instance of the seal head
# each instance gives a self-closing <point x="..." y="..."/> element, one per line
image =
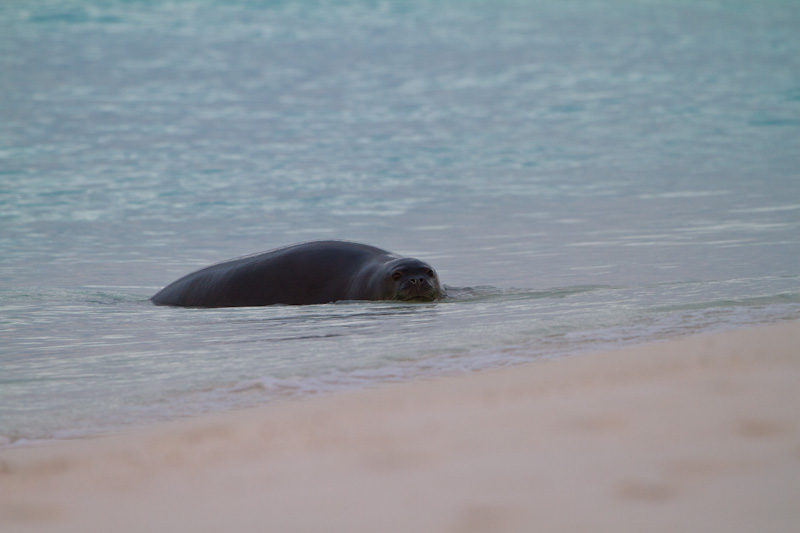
<point x="412" y="280"/>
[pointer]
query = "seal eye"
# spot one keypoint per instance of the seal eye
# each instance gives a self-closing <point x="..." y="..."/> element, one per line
<point x="431" y="273"/>
<point x="397" y="275"/>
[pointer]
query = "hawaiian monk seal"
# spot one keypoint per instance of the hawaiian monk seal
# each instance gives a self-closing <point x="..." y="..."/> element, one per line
<point x="308" y="273"/>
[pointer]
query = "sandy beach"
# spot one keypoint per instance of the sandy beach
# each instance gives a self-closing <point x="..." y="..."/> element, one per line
<point x="697" y="434"/>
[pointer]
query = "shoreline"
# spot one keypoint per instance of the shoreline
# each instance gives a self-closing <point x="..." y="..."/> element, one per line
<point x="696" y="434"/>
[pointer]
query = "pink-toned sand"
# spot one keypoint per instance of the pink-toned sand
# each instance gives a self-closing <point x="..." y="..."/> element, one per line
<point x="701" y="434"/>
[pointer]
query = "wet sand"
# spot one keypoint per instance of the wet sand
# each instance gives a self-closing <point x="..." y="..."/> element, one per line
<point x="698" y="434"/>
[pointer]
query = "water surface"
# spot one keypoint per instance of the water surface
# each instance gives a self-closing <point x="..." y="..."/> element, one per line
<point x="583" y="175"/>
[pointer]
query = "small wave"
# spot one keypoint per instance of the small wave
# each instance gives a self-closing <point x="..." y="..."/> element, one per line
<point x="489" y="292"/>
<point x="86" y="295"/>
<point x="751" y="302"/>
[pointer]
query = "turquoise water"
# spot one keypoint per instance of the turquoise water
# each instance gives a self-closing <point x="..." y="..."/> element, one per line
<point x="583" y="175"/>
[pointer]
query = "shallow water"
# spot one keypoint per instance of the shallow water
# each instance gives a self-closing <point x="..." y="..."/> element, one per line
<point x="583" y="175"/>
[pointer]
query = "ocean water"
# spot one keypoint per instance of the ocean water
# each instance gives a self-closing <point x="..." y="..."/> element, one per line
<point x="582" y="174"/>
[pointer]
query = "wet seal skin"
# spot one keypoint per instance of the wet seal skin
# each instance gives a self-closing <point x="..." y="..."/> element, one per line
<point x="307" y="273"/>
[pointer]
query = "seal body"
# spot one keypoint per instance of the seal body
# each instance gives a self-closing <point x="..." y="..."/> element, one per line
<point x="309" y="273"/>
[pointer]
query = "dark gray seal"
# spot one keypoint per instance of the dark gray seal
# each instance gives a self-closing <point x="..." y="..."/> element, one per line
<point x="309" y="273"/>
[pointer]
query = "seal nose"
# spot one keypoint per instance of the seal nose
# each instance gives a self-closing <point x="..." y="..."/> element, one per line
<point x="419" y="286"/>
<point x="420" y="283"/>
